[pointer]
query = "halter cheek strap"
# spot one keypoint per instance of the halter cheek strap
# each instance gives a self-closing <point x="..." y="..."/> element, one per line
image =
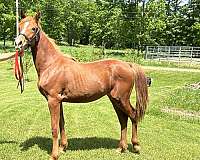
<point x="36" y="36"/>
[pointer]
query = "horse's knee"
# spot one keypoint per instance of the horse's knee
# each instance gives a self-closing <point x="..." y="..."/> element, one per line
<point x="55" y="133"/>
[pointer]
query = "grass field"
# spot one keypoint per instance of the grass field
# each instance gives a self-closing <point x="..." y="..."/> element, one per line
<point x="93" y="128"/>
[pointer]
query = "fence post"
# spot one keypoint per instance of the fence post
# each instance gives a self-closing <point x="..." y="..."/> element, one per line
<point x="168" y="54"/>
<point x="191" y="55"/>
<point x="179" y="55"/>
<point x="17" y="18"/>
<point x="147" y="48"/>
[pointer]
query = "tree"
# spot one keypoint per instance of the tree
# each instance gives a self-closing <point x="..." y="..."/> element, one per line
<point x="113" y="24"/>
<point x="52" y="19"/>
<point x="7" y="19"/>
<point x="155" y="23"/>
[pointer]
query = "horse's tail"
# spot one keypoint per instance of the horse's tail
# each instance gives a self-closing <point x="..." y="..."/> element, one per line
<point x="141" y="88"/>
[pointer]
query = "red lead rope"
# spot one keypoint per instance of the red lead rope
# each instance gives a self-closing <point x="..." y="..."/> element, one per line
<point x="19" y="70"/>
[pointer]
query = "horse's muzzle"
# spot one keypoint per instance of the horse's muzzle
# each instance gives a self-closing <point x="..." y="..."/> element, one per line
<point x="21" y="42"/>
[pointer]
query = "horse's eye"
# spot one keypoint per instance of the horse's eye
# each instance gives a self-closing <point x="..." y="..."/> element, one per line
<point x="33" y="29"/>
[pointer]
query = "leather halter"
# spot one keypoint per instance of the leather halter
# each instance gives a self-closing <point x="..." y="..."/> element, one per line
<point x="36" y="36"/>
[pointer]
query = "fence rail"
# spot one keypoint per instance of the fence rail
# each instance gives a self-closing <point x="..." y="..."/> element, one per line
<point x="173" y="53"/>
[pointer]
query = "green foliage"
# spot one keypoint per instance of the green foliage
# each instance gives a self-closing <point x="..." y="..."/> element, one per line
<point x="52" y="18"/>
<point x="111" y="24"/>
<point x="27" y="64"/>
<point x="7" y="19"/>
<point x="91" y="53"/>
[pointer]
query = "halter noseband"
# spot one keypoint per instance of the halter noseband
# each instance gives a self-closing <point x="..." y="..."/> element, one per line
<point x="36" y="35"/>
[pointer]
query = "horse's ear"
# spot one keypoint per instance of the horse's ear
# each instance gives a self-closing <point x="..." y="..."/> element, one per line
<point x="37" y="16"/>
<point x="23" y="15"/>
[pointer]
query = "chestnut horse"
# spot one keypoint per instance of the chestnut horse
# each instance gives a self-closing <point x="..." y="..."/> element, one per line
<point x="62" y="79"/>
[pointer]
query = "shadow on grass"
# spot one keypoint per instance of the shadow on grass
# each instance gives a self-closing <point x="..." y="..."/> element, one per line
<point x="42" y="142"/>
<point x="88" y="143"/>
<point x="115" y="53"/>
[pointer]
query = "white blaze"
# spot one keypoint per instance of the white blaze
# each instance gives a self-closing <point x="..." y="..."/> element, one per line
<point x="25" y="26"/>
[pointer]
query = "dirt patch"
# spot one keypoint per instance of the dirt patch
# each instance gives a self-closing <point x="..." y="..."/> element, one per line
<point x="171" y="69"/>
<point x="182" y="113"/>
<point x="194" y="86"/>
<point x="6" y="56"/>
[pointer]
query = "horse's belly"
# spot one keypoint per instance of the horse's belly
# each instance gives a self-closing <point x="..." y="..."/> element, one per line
<point x="83" y="98"/>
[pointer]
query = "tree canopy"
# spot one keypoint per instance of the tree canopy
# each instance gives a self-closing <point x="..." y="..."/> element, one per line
<point x="111" y="23"/>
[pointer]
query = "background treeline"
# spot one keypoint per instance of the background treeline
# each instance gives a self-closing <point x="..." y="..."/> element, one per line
<point x="110" y="23"/>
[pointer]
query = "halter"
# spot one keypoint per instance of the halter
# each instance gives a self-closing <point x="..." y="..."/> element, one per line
<point x="35" y="36"/>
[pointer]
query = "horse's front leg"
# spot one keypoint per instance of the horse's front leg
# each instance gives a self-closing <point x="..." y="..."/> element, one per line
<point x="54" y="108"/>
<point x="64" y="143"/>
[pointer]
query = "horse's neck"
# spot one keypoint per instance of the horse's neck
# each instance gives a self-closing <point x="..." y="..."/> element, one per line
<point x="44" y="53"/>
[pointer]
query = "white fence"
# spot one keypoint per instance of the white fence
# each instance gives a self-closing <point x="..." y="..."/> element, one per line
<point x="173" y="53"/>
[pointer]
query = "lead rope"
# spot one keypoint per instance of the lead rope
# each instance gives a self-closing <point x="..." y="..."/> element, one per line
<point x="19" y="70"/>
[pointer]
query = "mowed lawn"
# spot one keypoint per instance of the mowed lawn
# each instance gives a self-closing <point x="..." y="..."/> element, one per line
<point x="93" y="130"/>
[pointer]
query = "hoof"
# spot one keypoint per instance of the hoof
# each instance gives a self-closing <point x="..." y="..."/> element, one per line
<point x="121" y="150"/>
<point x="136" y="149"/>
<point x="62" y="149"/>
<point x="53" y="158"/>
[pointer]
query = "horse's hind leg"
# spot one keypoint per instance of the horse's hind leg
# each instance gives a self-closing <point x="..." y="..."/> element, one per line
<point x="134" y="140"/>
<point x="123" y="118"/>
<point x="121" y="94"/>
<point x="131" y="112"/>
<point x="63" y="142"/>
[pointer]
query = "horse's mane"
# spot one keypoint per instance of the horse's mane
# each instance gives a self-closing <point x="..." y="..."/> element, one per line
<point x="52" y="41"/>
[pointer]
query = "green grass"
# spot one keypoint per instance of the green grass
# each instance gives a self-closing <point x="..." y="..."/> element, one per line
<point x="91" y="53"/>
<point x="169" y="91"/>
<point x="170" y="64"/>
<point x="8" y="48"/>
<point x="184" y="98"/>
<point x="93" y="128"/>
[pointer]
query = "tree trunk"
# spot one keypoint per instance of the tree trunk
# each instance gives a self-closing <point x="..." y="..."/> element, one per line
<point x="4" y="41"/>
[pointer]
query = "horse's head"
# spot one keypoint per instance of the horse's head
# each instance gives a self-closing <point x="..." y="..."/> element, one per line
<point x="29" y="31"/>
